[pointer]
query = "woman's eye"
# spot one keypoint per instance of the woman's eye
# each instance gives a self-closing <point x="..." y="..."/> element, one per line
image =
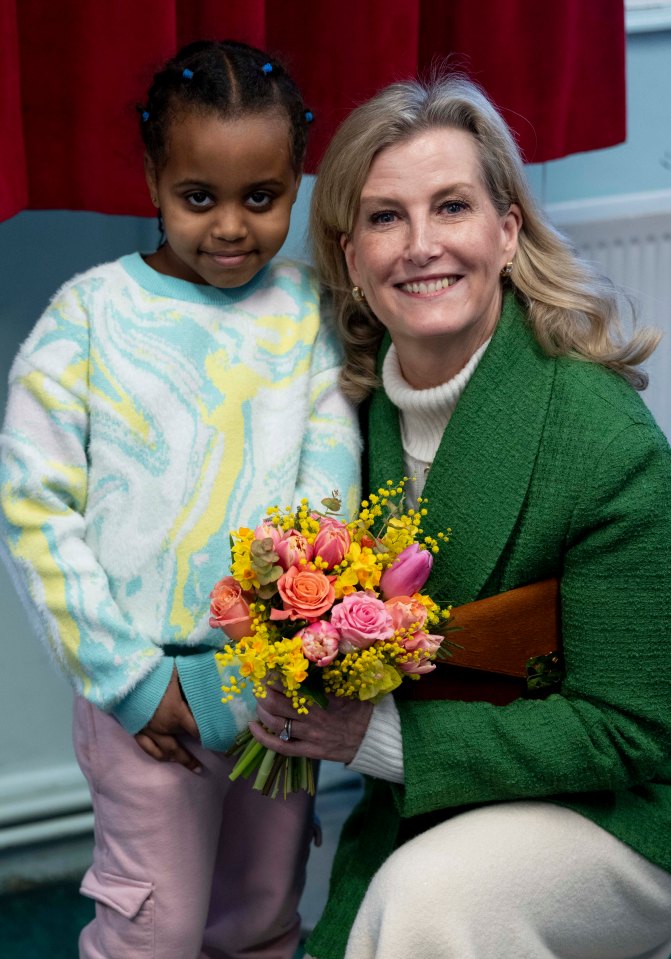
<point x="383" y="216"/>
<point x="199" y="199"/>
<point x="453" y="206"/>
<point x="259" y="200"/>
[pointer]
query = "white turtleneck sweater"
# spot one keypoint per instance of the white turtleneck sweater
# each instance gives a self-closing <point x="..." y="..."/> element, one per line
<point x="424" y="415"/>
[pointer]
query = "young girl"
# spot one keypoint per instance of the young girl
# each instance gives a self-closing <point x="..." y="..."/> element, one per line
<point x="160" y="402"/>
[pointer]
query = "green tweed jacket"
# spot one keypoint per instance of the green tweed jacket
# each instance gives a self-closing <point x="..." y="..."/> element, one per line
<point x="548" y="467"/>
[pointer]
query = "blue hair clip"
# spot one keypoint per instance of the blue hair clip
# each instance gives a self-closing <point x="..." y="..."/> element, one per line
<point x="145" y="116"/>
<point x="187" y="74"/>
<point x="309" y="116"/>
<point x="267" y="68"/>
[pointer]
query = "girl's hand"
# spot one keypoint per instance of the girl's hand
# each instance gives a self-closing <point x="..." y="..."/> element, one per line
<point x="166" y="749"/>
<point x="172" y="718"/>
<point x="333" y="733"/>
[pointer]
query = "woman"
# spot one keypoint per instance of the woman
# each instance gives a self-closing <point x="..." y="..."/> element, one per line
<point x="494" y="373"/>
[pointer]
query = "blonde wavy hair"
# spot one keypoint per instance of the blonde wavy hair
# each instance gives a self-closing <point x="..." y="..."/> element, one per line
<point x="571" y="309"/>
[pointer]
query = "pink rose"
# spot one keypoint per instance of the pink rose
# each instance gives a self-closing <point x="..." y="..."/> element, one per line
<point x="305" y="594"/>
<point x="331" y="543"/>
<point x="406" y="612"/>
<point x="361" y="619"/>
<point x="408" y="573"/>
<point x="427" y="646"/>
<point x="320" y="642"/>
<point x="292" y="548"/>
<point x="229" y="609"/>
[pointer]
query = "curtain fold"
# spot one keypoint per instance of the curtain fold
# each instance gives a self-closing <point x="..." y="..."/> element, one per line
<point x="13" y="172"/>
<point x="72" y="72"/>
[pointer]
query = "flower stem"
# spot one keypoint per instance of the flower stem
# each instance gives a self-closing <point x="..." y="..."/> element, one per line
<point x="250" y="758"/>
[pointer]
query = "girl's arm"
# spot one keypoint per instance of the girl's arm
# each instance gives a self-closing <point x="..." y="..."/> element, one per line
<point x="331" y="450"/>
<point x="44" y="477"/>
<point x="43" y="496"/>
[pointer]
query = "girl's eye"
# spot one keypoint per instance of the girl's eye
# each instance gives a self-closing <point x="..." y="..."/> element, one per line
<point x="259" y="200"/>
<point x="382" y="217"/>
<point x="199" y="199"/>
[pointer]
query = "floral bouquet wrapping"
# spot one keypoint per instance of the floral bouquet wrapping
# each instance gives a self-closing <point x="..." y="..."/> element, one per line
<point x="317" y="605"/>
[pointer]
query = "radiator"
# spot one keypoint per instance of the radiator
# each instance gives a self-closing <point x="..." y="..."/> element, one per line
<point x="629" y="239"/>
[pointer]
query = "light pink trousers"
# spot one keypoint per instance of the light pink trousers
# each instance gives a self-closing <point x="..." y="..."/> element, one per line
<point x="186" y="866"/>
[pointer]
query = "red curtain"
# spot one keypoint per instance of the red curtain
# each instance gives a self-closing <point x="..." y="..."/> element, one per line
<point x="71" y="72"/>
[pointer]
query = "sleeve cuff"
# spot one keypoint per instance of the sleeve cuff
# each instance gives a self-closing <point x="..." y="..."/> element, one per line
<point x="139" y="705"/>
<point x="381" y="751"/>
<point x="218" y="723"/>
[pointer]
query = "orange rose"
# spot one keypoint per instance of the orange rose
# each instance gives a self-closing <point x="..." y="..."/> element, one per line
<point x="229" y="609"/>
<point x="305" y="594"/>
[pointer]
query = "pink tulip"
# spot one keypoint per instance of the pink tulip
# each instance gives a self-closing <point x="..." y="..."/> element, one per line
<point x="331" y="543"/>
<point x="427" y="646"/>
<point x="406" y="612"/>
<point x="320" y="642"/>
<point x="292" y="548"/>
<point x="268" y="531"/>
<point x="408" y="573"/>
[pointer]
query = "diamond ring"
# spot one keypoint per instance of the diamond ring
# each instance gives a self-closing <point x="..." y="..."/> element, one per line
<point x="285" y="735"/>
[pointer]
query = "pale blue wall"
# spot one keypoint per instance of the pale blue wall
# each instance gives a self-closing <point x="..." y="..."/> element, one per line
<point x="639" y="164"/>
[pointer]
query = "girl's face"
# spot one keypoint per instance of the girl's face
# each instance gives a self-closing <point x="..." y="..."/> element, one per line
<point x="225" y="194"/>
<point x="428" y="245"/>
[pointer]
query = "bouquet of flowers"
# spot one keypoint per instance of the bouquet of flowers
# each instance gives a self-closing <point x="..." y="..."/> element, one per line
<point x="317" y="605"/>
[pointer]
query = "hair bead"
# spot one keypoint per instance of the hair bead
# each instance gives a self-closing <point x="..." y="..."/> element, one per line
<point x="187" y="74"/>
<point x="145" y="116"/>
<point x="267" y="68"/>
<point x="309" y="116"/>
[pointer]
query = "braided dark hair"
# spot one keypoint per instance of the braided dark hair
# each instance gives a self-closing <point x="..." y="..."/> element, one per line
<point x="227" y="78"/>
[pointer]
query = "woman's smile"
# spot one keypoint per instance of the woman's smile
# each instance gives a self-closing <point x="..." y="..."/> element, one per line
<point x="428" y="286"/>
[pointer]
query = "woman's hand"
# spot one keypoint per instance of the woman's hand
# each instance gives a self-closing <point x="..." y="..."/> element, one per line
<point x="333" y="733"/>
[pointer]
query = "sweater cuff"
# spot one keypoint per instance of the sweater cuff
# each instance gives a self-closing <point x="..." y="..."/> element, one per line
<point x="218" y="723"/>
<point x="381" y="751"/>
<point x="136" y="709"/>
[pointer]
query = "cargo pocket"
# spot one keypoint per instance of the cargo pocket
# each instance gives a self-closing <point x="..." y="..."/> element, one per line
<point x="124" y="913"/>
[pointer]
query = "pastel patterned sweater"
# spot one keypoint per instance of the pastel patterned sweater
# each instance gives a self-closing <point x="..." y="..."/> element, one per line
<point x="147" y="417"/>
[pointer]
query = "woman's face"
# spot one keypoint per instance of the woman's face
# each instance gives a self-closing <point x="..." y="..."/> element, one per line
<point x="428" y="246"/>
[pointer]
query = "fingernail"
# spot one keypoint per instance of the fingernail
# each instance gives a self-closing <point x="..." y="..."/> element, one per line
<point x="198" y="770"/>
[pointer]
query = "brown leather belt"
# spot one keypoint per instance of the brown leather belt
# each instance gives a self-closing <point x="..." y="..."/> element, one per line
<point x="509" y="646"/>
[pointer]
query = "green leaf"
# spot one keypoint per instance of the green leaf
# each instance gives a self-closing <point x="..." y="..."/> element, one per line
<point x="333" y="502"/>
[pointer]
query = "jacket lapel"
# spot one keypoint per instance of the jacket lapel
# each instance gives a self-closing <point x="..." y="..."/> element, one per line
<point x="479" y="478"/>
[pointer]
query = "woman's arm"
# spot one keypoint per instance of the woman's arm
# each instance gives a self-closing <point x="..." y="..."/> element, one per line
<point x="610" y="728"/>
